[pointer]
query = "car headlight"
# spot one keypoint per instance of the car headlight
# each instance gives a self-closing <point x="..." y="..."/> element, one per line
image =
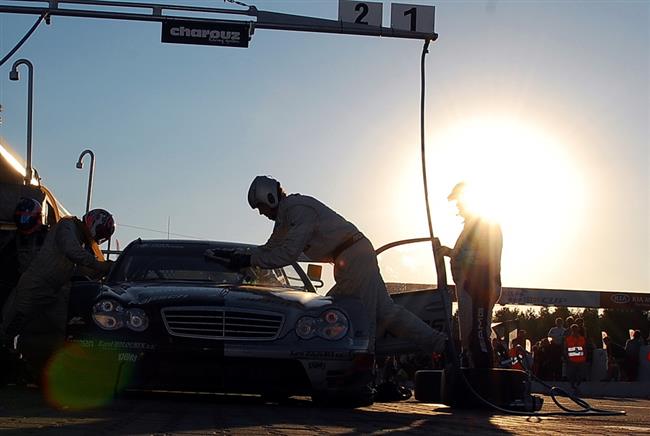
<point x="108" y="315"/>
<point x="306" y="327"/>
<point x="331" y="324"/>
<point x="136" y="319"/>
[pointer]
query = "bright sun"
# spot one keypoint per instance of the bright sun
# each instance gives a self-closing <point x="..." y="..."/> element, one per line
<point x="518" y="175"/>
<point x="521" y="176"/>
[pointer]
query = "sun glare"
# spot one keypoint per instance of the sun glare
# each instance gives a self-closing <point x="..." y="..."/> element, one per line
<point x="517" y="175"/>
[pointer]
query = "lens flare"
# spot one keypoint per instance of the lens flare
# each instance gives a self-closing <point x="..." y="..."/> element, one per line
<point x="79" y="377"/>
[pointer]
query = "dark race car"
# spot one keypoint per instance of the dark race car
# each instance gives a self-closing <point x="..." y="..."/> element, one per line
<point x="168" y="317"/>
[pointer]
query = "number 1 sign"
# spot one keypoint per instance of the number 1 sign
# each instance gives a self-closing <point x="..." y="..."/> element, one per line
<point x="413" y="18"/>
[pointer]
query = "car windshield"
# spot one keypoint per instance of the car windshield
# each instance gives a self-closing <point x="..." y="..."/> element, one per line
<point x="179" y="262"/>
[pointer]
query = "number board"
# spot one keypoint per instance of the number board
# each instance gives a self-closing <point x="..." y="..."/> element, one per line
<point x="414" y="18"/>
<point x="368" y="13"/>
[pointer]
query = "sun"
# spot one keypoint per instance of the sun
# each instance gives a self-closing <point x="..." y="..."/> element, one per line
<point x="518" y="175"/>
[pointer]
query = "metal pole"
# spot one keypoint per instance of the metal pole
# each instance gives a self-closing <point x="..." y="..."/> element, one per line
<point x="90" y="174"/>
<point x="13" y="75"/>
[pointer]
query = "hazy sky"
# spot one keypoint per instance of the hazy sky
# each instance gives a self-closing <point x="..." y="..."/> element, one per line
<point x="547" y="103"/>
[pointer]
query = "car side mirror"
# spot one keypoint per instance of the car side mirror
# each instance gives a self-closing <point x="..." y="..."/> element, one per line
<point x="314" y="272"/>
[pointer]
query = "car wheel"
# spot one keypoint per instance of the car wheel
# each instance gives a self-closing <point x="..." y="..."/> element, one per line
<point x="428" y="385"/>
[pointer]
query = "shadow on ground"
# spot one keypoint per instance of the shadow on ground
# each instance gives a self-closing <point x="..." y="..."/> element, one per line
<point x="24" y="411"/>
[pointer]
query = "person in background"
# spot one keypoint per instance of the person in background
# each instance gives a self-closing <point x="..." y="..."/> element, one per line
<point x="555" y="349"/>
<point x="576" y="357"/>
<point x="501" y="359"/>
<point x="17" y="253"/>
<point x="568" y="322"/>
<point x="632" y="352"/>
<point x="556" y="333"/>
<point x="614" y="354"/>
<point x="541" y="356"/>
<point x="520" y="357"/>
<point x="37" y="307"/>
<point x="476" y="269"/>
<point x="581" y="326"/>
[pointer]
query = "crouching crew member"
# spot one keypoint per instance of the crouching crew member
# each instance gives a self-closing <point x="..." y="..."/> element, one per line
<point x="304" y="224"/>
<point x="37" y="307"/>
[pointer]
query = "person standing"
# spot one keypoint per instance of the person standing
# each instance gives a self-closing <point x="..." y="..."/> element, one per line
<point x="37" y="307"/>
<point x="555" y="349"/>
<point x="305" y="225"/>
<point x="576" y="357"/>
<point x="632" y="352"/>
<point x="476" y="269"/>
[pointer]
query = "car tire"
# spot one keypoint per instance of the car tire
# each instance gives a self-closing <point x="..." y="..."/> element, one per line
<point x="428" y="386"/>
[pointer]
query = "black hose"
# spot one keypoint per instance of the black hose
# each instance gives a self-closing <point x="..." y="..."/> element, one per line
<point x="587" y="410"/>
<point x="23" y="39"/>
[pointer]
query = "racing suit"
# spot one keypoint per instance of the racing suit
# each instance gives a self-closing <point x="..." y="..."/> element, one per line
<point x="476" y="268"/>
<point x="37" y="307"/>
<point x="16" y="254"/>
<point x="305" y="225"/>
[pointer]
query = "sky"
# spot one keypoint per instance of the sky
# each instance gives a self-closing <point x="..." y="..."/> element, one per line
<point x="543" y="105"/>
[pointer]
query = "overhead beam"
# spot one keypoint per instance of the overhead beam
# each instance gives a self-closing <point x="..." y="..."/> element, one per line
<point x="115" y="10"/>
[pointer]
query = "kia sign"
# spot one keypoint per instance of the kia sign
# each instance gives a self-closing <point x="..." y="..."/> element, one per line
<point x="624" y="300"/>
<point x="205" y="33"/>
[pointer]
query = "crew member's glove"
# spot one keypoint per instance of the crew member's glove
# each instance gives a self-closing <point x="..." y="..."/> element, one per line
<point x="231" y="258"/>
<point x="219" y="255"/>
<point x="239" y="260"/>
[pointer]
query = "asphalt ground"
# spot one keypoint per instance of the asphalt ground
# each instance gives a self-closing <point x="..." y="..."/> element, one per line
<point x="24" y="411"/>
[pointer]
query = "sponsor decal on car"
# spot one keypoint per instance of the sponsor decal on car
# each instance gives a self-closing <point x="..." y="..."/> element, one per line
<point x="322" y="354"/>
<point x="127" y="357"/>
<point x="90" y="343"/>
<point x="77" y="320"/>
<point x="145" y="299"/>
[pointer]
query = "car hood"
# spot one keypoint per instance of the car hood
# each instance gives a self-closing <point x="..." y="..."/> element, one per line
<point x="180" y="293"/>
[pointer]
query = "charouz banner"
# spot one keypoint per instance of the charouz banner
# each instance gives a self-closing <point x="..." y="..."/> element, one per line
<point x="205" y="33"/>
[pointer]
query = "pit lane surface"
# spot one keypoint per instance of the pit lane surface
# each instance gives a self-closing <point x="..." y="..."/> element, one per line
<point x="24" y="412"/>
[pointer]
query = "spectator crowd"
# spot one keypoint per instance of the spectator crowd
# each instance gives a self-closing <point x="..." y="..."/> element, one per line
<point x="567" y="353"/>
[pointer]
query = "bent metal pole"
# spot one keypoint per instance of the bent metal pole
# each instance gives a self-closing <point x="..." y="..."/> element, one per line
<point x="13" y="75"/>
<point x="91" y="171"/>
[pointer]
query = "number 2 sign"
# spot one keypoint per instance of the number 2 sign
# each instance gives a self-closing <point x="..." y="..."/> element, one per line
<point x="368" y="13"/>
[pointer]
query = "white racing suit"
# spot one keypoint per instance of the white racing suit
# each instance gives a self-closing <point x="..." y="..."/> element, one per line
<point x="476" y="268"/>
<point x="304" y="224"/>
<point x="37" y="307"/>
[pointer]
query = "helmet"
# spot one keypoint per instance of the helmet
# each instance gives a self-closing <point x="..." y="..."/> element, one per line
<point x="100" y="223"/>
<point x="264" y="190"/>
<point x="457" y="192"/>
<point x="28" y="215"/>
